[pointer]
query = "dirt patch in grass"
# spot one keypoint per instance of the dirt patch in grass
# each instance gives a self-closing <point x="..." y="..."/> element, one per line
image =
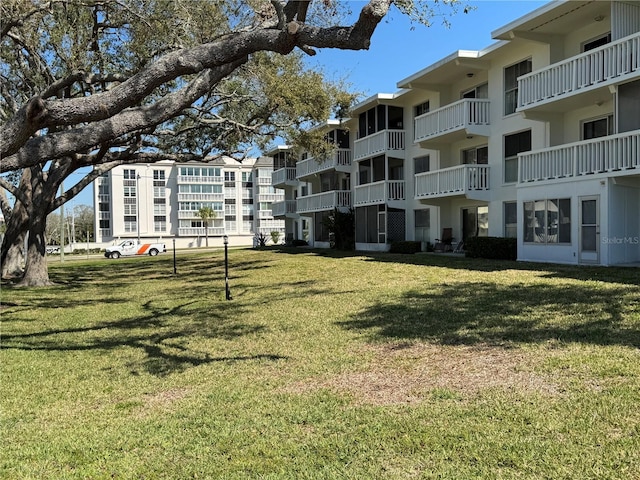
<point x="162" y="400"/>
<point x="404" y="373"/>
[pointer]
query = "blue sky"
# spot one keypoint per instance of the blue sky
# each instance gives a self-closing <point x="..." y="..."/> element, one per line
<point x="398" y="50"/>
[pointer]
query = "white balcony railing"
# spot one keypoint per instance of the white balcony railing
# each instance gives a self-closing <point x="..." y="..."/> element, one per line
<point x="199" y="231"/>
<point x="272" y="224"/>
<point x="600" y="66"/>
<point x="452" y="181"/>
<point x="379" y="143"/>
<point x="613" y="155"/>
<point x="310" y="166"/>
<point x="283" y="175"/>
<point x="461" y="115"/>
<point x="280" y="209"/>
<point x="206" y="197"/>
<point x="198" y="179"/>
<point x="319" y="202"/>
<point x="270" y="197"/>
<point x="379" y="192"/>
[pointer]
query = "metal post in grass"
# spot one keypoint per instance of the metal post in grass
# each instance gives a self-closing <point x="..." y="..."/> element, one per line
<point x="227" y="292"/>
<point x="175" y="270"/>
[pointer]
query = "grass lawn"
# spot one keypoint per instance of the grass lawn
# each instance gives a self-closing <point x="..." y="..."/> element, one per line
<point x="323" y="366"/>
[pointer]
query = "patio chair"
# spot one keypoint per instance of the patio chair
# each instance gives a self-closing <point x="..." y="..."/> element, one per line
<point x="443" y="244"/>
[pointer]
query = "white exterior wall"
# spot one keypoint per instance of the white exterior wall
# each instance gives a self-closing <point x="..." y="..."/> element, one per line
<point x="550" y="35"/>
<point x="238" y="235"/>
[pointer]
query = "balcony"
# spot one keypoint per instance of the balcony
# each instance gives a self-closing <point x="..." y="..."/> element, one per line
<point x="471" y="181"/>
<point x="284" y="176"/>
<point x="615" y="155"/>
<point x="320" y="202"/>
<point x="453" y="122"/>
<point x="591" y="72"/>
<point x="270" y="197"/>
<point x="200" y="197"/>
<point x="386" y="141"/>
<point x="198" y="179"/>
<point x="200" y="231"/>
<point x="339" y="161"/>
<point x="284" y="209"/>
<point x="379" y="192"/>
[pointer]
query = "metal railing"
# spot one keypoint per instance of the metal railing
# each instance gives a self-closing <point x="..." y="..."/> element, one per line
<point x="319" y="202"/>
<point x="451" y="181"/>
<point x="455" y="116"/>
<point x="378" y="143"/>
<point x="283" y="175"/>
<point x="310" y="166"/>
<point x="379" y="192"/>
<point x="600" y="66"/>
<point x="618" y="154"/>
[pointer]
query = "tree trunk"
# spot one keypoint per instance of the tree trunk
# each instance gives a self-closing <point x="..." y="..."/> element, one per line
<point x="12" y="251"/>
<point x="36" y="273"/>
<point x="13" y="256"/>
<point x="206" y="234"/>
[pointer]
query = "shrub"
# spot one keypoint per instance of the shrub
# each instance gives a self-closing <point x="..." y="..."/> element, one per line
<point x="405" y="247"/>
<point x="491" y="247"/>
<point x="260" y="240"/>
<point x="298" y="243"/>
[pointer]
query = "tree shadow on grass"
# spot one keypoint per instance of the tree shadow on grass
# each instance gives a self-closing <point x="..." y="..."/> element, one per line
<point x="473" y="314"/>
<point x="164" y="335"/>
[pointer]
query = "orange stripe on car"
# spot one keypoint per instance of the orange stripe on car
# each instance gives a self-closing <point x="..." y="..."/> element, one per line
<point x="143" y="248"/>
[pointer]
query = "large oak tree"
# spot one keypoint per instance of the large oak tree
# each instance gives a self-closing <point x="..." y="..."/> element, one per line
<point x="106" y="82"/>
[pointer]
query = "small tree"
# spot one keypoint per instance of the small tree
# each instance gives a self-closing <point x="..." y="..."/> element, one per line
<point x="206" y="214"/>
<point x="341" y="226"/>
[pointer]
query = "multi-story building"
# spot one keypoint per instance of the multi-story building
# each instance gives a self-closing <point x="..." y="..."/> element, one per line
<point x="163" y="200"/>
<point x="536" y="137"/>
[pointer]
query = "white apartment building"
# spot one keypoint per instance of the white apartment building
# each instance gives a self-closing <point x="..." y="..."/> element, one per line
<point x="161" y="201"/>
<point x="536" y="137"/>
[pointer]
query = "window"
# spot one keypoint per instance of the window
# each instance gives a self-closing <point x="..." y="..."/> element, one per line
<point x="159" y="206"/>
<point x="129" y="174"/>
<point x="481" y="91"/>
<point x="600" y="127"/>
<point x="105" y="224"/>
<point x="421" y="164"/>
<point x="421" y="109"/>
<point x="159" y="223"/>
<point x="511" y="75"/>
<point x="476" y="155"/>
<point x="380" y="118"/>
<point x="547" y="221"/>
<point x="129" y="191"/>
<point x="130" y="223"/>
<point x="423" y="225"/>
<point x="103" y="207"/>
<point x="514" y="144"/>
<point x="158" y="174"/>
<point x="596" y="42"/>
<point x="510" y="220"/>
<point x="103" y="189"/>
<point x="229" y="176"/>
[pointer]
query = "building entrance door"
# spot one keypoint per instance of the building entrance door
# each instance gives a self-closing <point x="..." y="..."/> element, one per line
<point x="589" y="236"/>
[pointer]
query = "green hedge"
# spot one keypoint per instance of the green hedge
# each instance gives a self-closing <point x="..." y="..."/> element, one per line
<point x="491" y="247"/>
<point x="405" y="247"/>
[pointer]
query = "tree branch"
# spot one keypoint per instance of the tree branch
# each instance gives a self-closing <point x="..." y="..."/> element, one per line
<point x="60" y="144"/>
<point x="230" y="48"/>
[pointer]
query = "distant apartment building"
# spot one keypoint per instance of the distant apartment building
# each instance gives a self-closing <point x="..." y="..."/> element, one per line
<point x="161" y="201"/>
<point x="536" y="137"/>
